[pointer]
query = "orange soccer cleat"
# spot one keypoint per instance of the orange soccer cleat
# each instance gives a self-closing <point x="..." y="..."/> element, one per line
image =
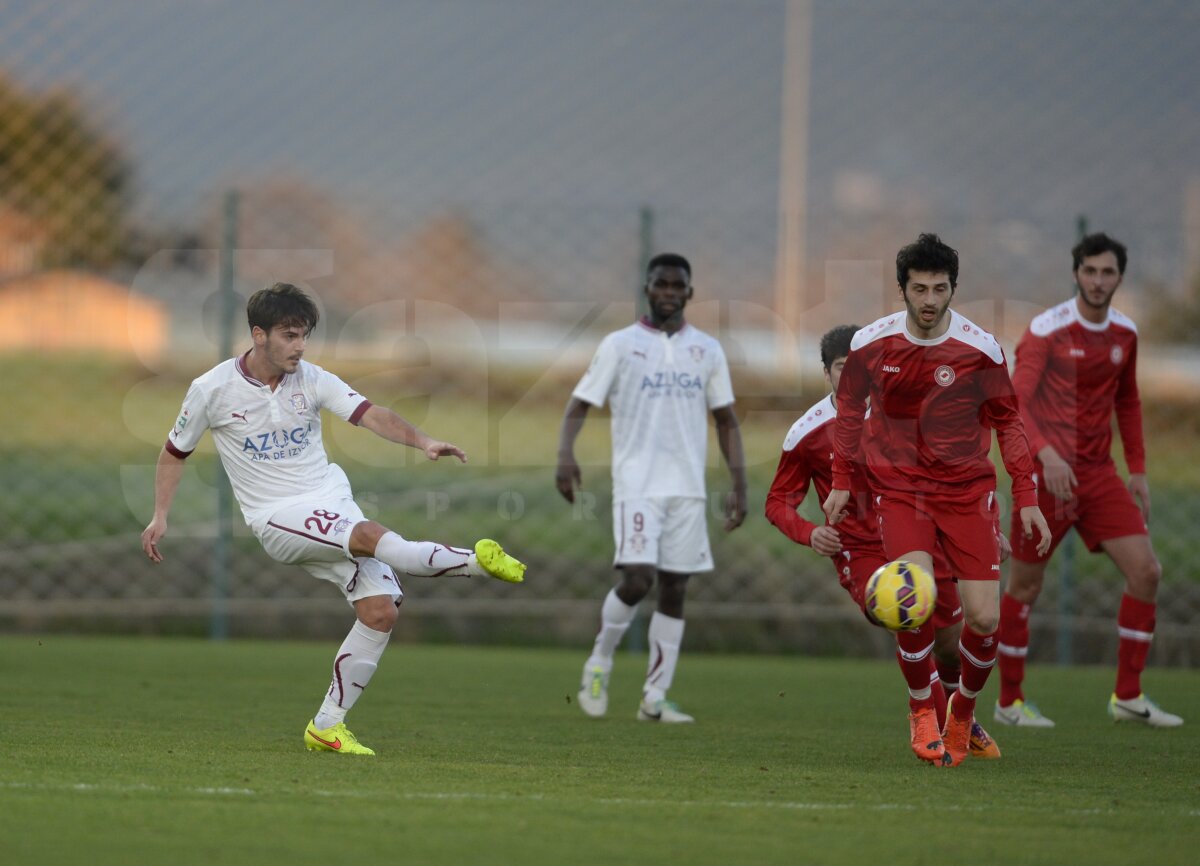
<point x="956" y="737"/>
<point x="982" y="744"/>
<point x="926" y="741"/>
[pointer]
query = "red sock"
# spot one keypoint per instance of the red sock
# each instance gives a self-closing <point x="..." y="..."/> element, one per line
<point x="1014" y="645"/>
<point x="914" y="652"/>
<point x="977" y="653"/>
<point x="1135" y="626"/>
<point x="948" y="674"/>
<point x="940" y="697"/>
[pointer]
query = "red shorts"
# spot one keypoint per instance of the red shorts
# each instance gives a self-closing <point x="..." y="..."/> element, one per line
<point x="855" y="567"/>
<point x="967" y="532"/>
<point x="1101" y="509"/>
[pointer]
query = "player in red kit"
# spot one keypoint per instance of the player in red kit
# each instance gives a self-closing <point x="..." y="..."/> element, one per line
<point x="1076" y="366"/>
<point x="856" y="551"/>
<point x="938" y="386"/>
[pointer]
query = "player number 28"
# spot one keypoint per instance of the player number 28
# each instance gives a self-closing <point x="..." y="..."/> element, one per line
<point x="315" y="523"/>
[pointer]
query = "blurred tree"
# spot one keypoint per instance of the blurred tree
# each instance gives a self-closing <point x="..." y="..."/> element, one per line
<point x="62" y="173"/>
<point x="1172" y="317"/>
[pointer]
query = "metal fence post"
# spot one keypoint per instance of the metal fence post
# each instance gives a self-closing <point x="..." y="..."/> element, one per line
<point x="223" y="548"/>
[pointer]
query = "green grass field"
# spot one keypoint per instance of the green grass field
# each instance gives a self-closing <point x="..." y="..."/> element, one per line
<point x="140" y="751"/>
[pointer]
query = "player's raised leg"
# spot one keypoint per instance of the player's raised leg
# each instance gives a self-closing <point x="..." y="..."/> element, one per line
<point x="1134" y="556"/>
<point x="431" y="559"/>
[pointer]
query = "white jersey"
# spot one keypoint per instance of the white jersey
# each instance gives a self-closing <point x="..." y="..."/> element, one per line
<point x="660" y="389"/>
<point x="269" y="441"/>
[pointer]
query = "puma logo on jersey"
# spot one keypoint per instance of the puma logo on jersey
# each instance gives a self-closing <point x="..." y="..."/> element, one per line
<point x="241" y="416"/>
<point x="888" y="368"/>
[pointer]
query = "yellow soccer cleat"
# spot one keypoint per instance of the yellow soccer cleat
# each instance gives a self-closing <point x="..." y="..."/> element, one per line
<point x="335" y="739"/>
<point x="494" y="562"/>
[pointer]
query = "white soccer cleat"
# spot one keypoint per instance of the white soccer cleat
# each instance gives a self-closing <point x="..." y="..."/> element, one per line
<point x="1022" y="714"/>
<point x="593" y="693"/>
<point x="1142" y="709"/>
<point x="663" y="711"/>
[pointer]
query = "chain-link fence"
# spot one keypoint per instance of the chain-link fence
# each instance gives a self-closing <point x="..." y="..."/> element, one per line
<point x="470" y="189"/>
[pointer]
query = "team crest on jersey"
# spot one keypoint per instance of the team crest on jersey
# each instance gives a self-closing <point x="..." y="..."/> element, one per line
<point x="697" y="353"/>
<point x="299" y="403"/>
<point x="1116" y="354"/>
<point x="342" y="525"/>
<point x="943" y="375"/>
<point x="637" y="542"/>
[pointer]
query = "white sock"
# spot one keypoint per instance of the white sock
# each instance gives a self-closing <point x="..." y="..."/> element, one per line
<point x="666" y="634"/>
<point x="423" y="558"/>
<point x="615" y="617"/>
<point x="353" y="666"/>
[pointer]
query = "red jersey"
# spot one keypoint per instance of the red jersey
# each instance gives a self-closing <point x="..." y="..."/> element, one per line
<point x="808" y="456"/>
<point x="1070" y="376"/>
<point x="934" y="404"/>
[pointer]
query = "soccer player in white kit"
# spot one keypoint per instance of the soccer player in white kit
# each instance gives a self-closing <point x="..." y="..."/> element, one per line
<point x="661" y="377"/>
<point x="264" y="411"/>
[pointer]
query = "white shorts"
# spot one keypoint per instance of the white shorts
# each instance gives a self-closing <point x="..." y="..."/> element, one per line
<point x="316" y="537"/>
<point x="670" y="534"/>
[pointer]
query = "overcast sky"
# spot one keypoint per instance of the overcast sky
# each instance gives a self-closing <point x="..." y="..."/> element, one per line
<point x="1029" y="111"/>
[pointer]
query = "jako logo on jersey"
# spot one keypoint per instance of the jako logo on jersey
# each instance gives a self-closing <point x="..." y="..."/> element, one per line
<point x="299" y="403"/>
<point x="1076" y="353"/>
<point x="1116" y="354"/>
<point x="641" y="355"/>
<point x="672" y="379"/>
<point x="276" y="439"/>
<point x="943" y="375"/>
<point x="888" y="368"/>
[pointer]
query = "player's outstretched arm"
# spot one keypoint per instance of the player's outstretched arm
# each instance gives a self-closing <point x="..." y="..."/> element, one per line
<point x="1031" y="518"/>
<point x="390" y="426"/>
<point x="167" y="475"/>
<point x="729" y="437"/>
<point x="567" y="477"/>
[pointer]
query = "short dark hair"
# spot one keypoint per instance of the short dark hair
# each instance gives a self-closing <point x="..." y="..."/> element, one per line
<point x="668" y="260"/>
<point x="929" y="254"/>
<point x="836" y="344"/>
<point x="281" y="304"/>
<point x="1094" y="245"/>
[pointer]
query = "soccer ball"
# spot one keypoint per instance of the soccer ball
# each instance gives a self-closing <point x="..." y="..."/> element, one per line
<point x="900" y="596"/>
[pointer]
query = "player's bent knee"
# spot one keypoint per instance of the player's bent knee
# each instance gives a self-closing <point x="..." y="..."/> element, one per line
<point x="379" y="612"/>
<point x="636" y="581"/>
<point x="1025" y="582"/>
<point x="1144" y="581"/>
<point x="983" y="623"/>
<point x="364" y="537"/>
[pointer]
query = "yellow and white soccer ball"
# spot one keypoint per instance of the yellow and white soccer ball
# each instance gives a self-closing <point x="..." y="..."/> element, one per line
<point x="900" y="596"/>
